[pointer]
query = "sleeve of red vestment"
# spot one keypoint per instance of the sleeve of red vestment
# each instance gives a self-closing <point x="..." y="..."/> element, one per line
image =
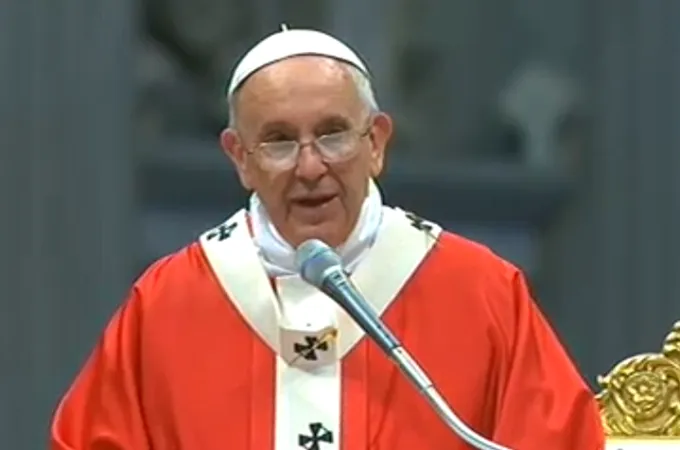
<point x="101" y="410"/>
<point x="544" y="402"/>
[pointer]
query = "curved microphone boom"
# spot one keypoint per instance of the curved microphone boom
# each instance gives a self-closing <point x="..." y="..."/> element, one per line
<point x="321" y="267"/>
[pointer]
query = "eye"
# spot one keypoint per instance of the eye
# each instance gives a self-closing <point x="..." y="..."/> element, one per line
<point x="332" y="125"/>
<point x="331" y="130"/>
<point x="335" y="138"/>
<point x="277" y="136"/>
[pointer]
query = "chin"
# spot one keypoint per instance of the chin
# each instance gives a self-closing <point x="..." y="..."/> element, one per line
<point x="330" y="235"/>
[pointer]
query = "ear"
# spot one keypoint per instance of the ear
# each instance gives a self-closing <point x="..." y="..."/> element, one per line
<point x="233" y="147"/>
<point x="381" y="132"/>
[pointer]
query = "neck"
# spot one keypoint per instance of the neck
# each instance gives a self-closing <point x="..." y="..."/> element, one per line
<point x="278" y="256"/>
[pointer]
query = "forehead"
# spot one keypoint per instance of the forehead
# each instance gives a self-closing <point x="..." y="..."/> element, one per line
<point x="299" y="89"/>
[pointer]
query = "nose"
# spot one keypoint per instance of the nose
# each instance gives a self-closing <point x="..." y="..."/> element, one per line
<point x="310" y="165"/>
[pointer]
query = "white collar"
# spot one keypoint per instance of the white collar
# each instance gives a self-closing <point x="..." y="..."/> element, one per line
<point x="278" y="256"/>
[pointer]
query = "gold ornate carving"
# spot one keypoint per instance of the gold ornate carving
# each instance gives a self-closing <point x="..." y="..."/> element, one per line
<point x="640" y="396"/>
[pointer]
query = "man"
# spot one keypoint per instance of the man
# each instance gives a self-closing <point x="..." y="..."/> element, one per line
<point x="223" y="346"/>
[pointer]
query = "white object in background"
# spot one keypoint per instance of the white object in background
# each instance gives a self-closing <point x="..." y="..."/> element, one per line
<point x="536" y="100"/>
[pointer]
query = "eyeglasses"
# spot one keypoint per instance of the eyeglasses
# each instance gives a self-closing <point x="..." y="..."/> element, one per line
<point x="333" y="148"/>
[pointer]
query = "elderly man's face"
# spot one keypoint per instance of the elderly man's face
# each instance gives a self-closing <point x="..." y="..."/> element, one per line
<point x="309" y="194"/>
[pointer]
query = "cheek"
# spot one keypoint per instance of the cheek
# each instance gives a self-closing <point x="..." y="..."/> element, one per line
<point x="364" y="168"/>
<point x="272" y="186"/>
<point x="354" y="178"/>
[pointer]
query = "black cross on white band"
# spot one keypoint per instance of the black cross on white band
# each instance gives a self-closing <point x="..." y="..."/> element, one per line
<point x="318" y="434"/>
<point x="308" y="349"/>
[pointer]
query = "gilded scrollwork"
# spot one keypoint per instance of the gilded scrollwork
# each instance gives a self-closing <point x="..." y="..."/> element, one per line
<point x="641" y="395"/>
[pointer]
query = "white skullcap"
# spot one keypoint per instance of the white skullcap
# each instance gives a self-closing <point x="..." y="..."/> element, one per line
<point x="287" y="43"/>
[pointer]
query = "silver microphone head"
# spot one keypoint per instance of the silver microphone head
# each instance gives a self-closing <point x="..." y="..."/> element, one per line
<point x="313" y="258"/>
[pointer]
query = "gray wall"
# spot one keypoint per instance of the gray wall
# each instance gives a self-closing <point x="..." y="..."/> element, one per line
<point x="614" y="258"/>
<point x="67" y="233"/>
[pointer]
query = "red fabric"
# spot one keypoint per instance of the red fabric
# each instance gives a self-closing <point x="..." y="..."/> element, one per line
<point x="179" y="368"/>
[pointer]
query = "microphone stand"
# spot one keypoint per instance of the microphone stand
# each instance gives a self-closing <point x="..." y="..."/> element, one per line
<point x="338" y="286"/>
<point x="419" y="379"/>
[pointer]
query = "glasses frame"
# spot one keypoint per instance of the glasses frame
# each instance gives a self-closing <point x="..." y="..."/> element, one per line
<point x="353" y="134"/>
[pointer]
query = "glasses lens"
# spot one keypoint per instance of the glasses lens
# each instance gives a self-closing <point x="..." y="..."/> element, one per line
<point x="337" y="146"/>
<point x="278" y="154"/>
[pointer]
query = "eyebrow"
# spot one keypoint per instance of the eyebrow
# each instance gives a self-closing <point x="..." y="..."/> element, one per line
<point x="277" y="126"/>
<point x="286" y="128"/>
<point x="333" y="121"/>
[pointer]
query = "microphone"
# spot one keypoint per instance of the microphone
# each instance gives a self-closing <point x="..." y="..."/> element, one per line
<point x="321" y="267"/>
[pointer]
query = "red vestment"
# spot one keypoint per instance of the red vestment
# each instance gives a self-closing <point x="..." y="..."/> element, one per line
<point x="181" y="366"/>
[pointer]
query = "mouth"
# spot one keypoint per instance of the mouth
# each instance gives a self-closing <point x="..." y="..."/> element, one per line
<point x="314" y="202"/>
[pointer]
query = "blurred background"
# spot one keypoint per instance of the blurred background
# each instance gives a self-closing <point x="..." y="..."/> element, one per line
<point x="547" y="129"/>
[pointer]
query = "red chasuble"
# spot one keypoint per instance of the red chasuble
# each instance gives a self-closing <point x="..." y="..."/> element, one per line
<point x="208" y="353"/>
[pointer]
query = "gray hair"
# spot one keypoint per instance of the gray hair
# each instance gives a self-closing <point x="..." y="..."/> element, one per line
<point x="360" y="79"/>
